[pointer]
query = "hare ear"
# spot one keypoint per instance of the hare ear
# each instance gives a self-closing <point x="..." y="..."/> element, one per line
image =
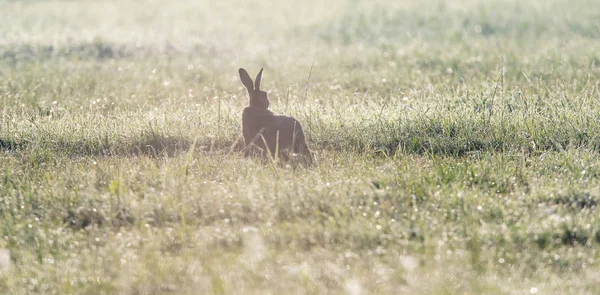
<point x="257" y="81"/>
<point x="246" y="80"/>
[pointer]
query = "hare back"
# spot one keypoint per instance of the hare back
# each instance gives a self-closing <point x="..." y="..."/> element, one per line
<point x="254" y="120"/>
<point x="280" y="132"/>
<point x="288" y="133"/>
<point x="288" y="127"/>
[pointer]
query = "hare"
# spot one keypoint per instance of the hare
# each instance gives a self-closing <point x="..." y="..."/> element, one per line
<point x="260" y="126"/>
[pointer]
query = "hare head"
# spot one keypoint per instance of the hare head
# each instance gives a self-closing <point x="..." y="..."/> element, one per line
<point x="258" y="98"/>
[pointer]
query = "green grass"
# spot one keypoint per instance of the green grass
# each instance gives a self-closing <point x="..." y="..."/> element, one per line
<point x="457" y="147"/>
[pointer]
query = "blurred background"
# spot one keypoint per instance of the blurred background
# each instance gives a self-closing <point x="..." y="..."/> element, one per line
<point x="354" y="43"/>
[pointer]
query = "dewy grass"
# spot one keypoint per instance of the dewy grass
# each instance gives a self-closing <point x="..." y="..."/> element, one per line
<point x="456" y="148"/>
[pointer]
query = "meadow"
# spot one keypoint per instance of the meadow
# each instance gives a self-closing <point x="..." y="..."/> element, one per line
<point x="457" y="147"/>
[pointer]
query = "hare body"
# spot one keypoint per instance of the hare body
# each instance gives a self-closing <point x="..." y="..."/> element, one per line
<point x="265" y="130"/>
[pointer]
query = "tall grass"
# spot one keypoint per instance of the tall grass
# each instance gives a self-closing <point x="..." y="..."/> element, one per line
<point x="456" y="145"/>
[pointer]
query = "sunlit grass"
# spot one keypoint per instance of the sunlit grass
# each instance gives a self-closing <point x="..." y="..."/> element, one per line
<point x="456" y="147"/>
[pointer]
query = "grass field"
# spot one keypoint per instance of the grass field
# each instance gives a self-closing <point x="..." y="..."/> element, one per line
<point x="457" y="147"/>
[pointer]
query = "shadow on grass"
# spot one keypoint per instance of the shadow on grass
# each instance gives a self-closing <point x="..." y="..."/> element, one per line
<point x="84" y="217"/>
<point x="153" y="146"/>
<point x="457" y="139"/>
<point x="146" y="144"/>
<point x="10" y="144"/>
